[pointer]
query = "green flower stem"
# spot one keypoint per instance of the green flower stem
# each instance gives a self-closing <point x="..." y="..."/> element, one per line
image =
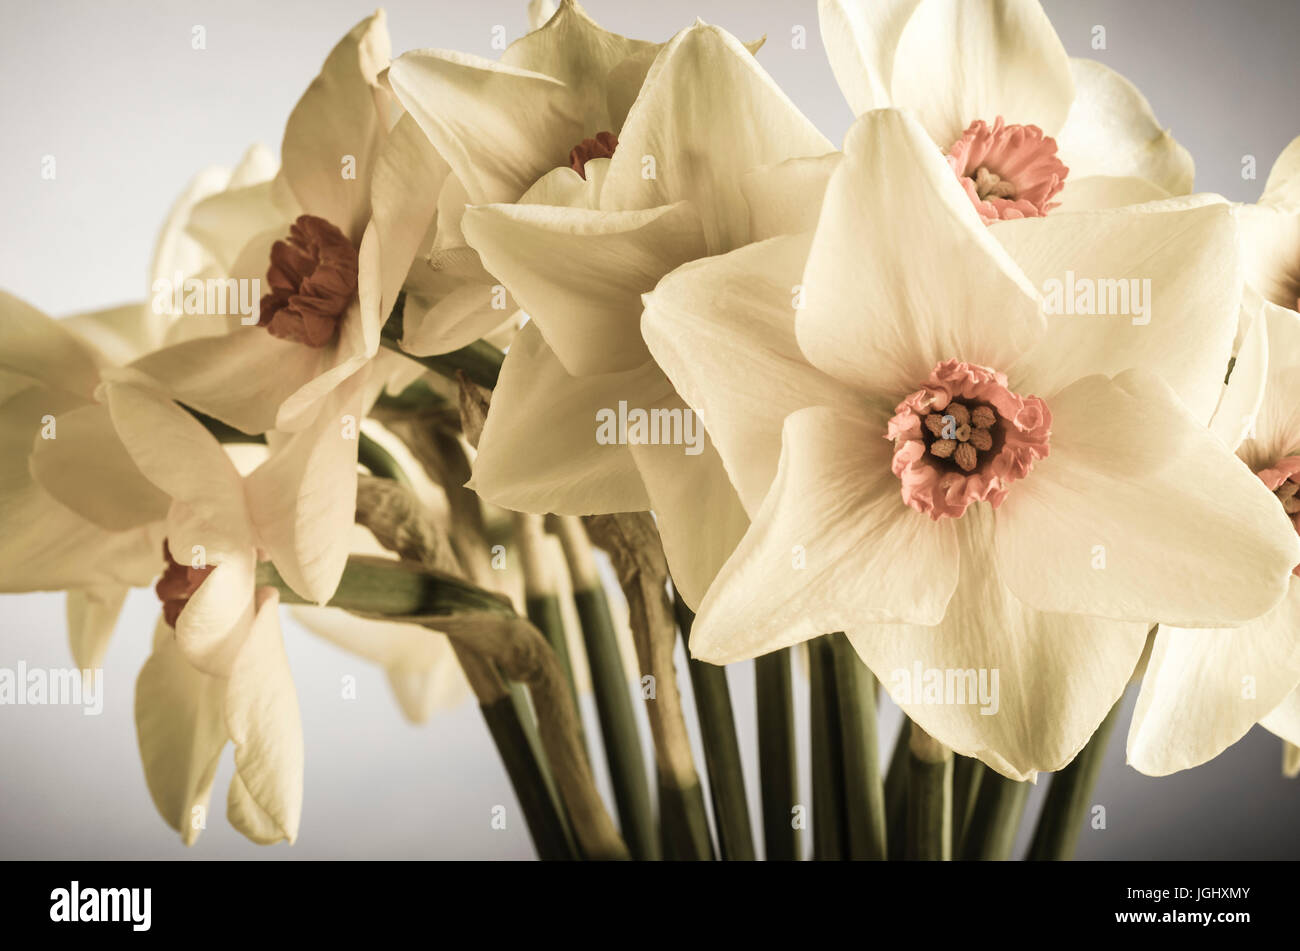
<point x="829" y="806"/>
<point x="1066" y="807"/>
<point x="721" y="748"/>
<point x="518" y="746"/>
<point x="480" y="361"/>
<point x="991" y="832"/>
<point x="864" y="796"/>
<point x="929" y="800"/>
<point x="967" y="773"/>
<point x="372" y="585"/>
<point x="777" y="754"/>
<point x="896" y="793"/>
<point x="541" y="596"/>
<point x="624" y="753"/>
<point x="379" y="461"/>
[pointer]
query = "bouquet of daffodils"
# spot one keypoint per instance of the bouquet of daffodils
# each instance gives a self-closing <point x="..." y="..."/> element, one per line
<point x="516" y="375"/>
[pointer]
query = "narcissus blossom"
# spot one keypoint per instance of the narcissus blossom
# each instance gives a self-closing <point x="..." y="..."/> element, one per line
<point x="707" y="113"/>
<point x="1098" y="501"/>
<point x="1203" y="689"/>
<point x="1271" y="233"/>
<point x="1026" y="129"/>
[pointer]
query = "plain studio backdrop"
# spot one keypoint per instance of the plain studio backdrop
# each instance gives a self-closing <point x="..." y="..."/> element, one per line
<point x="130" y="111"/>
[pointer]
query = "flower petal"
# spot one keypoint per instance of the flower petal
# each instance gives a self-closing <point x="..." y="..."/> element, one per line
<point x="499" y="128"/>
<point x="786" y="198"/>
<point x="178" y="721"/>
<point x="885" y="304"/>
<point x="265" y="801"/>
<point x="1111" y="130"/>
<point x="539" y="450"/>
<point x="92" y="616"/>
<point x="723" y="330"/>
<point x="41" y="349"/>
<point x="1204" y="689"/>
<point x="580" y="274"/>
<point x="1096" y="192"/>
<point x="1271" y="239"/>
<point x="337" y="118"/>
<point x="302" y="500"/>
<point x="1057" y="675"/>
<point x="860" y="39"/>
<point x="89" y="470"/>
<point x="1284" y="721"/>
<point x="1275" y="432"/>
<point x="962" y="60"/>
<point x="1136" y="509"/>
<point x="706" y="114"/>
<point x="699" y="515"/>
<point x="1282" y="189"/>
<point x="572" y="48"/>
<point x="1181" y="265"/>
<point x="832" y="545"/>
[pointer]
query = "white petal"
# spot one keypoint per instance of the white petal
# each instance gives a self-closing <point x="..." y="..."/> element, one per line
<point x="87" y="468"/>
<point x="861" y="37"/>
<point x="179" y="724"/>
<point x="1181" y="266"/>
<point x="707" y="114"/>
<point x="699" y="515"/>
<point x="902" y="273"/>
<point x="787" y="198"/>
<point x="265" y="801"/>
<point x="1057" y="675"/>
<point x="962" y="60"/>
<point x="337" y="118"/>
<point x="1242" y="395"/>
<point x="499" y="128"/>
<point x="1095" y="192"/>
<point x="832" y="545"/>
<point x="1204" y="689"/>
<point x="723" y="331"/>
<point x="215" y="621"/>
<point x="1283" y="186"/>
<point x="580" y="274"/>
<point x="1276" y="428"/>
<point x="302" y="500"/>
<point x="42" y="350"/>
<point x="1111" y="130"/>
<point x="92" y="616"/>
<point x="1271" y="240"/>
<point x="1140" y="513"/>
<point x="539" y="450"/>
<point x="1284" y="721"/>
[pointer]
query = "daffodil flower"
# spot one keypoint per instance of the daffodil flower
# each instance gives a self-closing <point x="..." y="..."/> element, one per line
<point x="670" y="193"/>
<point x="1203" y="689"/>
<point x="1271" y="233"/>
<point x="1025" y="128"/>
<point x="1096" y="501"/>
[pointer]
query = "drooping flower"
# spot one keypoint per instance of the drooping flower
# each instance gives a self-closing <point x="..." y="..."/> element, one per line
<point x="1203" y="689"/>
<point x="1026" y="129"/>
<point x="671" y="193"/>
<point x="1115" y="506"/>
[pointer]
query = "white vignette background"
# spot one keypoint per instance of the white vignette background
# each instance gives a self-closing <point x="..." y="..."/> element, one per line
<point x="113" y="90"/>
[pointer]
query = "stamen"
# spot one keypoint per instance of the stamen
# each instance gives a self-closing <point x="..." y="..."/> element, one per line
<point x="964" y="437"/>
<point x="177" y="584"/>
<point x="1009" y="171"/>
<point x="1283" y="478"/>
<point x="602" y="146"/>
<point x="313" y="279"/>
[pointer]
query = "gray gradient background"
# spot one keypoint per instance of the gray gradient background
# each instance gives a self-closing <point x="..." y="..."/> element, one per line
<point x="114" y="91"/>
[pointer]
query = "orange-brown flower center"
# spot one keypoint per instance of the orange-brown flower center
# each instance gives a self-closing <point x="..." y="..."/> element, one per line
<point x="313" y="279"/>
<point x="177" y="584"/>
<point x="602" y="146"/>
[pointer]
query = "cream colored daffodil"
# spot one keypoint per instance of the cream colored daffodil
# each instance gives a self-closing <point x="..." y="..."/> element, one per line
<point x="957" y="480"/>
<point x="1271" y="233"/>
<point x="1203" y="689"/>
<point x="1026" y="128"/>
<point x="706" y="114"/>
